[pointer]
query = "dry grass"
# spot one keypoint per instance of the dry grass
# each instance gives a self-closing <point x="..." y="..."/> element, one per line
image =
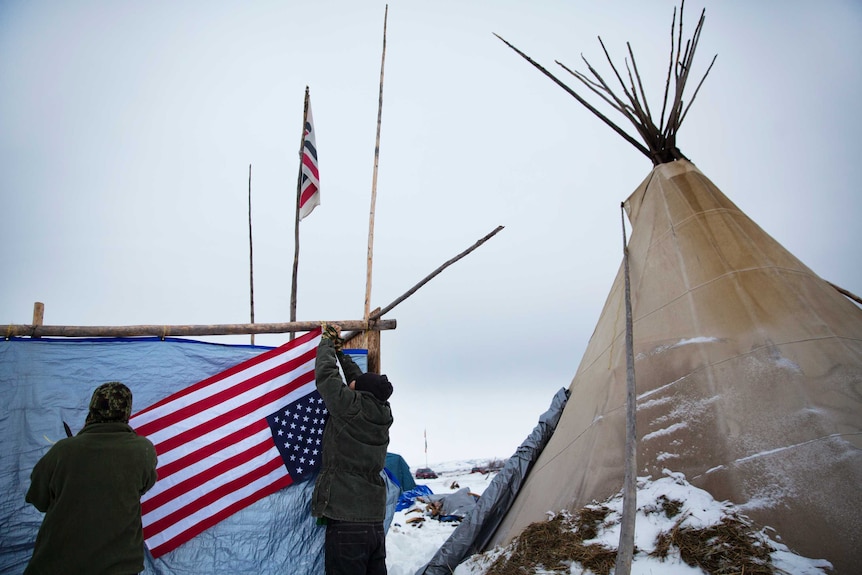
<point x="732" y="547"/>
<point x="727" y="548"/>
<point x="553" y="545"/>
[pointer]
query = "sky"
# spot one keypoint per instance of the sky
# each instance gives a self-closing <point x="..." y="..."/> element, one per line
<point x="127" y="130"/>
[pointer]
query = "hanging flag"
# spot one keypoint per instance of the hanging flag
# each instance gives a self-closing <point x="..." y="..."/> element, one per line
<point x="231" y="439"/>
<point x="309" y="189"/>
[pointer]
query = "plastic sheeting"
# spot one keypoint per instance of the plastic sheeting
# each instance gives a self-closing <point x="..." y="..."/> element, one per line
<point x="46" y="382"/>
<point x="400" y="471"/>
<point x="477" y="528"/>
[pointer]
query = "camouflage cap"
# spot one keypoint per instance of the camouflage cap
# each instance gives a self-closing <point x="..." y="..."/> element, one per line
<point x="111" y="401"/>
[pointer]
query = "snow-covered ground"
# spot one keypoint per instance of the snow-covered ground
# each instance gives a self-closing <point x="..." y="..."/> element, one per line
<point x="409" y="547"/>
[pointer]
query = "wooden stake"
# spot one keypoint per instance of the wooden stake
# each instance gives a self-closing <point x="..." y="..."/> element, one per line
<point x="250" y="255"/>
<point x="38" y="313"/>
<point x="374" y="176"/>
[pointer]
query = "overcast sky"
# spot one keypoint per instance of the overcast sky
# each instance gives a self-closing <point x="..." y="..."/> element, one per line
<point x="127" y="130"/>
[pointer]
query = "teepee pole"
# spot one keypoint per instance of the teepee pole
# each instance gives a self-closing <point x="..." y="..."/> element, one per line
<point x="625" y="551"/>
<point x="374" y="176"/>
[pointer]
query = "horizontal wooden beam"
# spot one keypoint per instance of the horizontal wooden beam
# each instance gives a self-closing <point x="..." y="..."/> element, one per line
<point x="23" y="330"/>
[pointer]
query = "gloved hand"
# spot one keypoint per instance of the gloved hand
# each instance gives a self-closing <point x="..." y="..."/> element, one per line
<point x="332" y="332"/>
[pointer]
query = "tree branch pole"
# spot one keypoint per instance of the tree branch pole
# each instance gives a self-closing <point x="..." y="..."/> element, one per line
<point x="163" y="331"/>
<point x="378" y="314"/>
<point x="625" y="550"/>
<point x="296" y="221"/>
<point x="846" y="293"/>
<point x="250" y="256"/>
<point x="374" y="175"/>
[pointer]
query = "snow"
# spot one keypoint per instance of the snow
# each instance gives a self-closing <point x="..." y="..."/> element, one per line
<point x="410" y="547"/>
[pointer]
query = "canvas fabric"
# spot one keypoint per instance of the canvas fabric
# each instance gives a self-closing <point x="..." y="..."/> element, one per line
<point x="748" y="369"/>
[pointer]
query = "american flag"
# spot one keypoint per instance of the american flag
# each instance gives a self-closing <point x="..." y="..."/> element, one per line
<point x="309" y="189"/>
<point x="231" y="439"/>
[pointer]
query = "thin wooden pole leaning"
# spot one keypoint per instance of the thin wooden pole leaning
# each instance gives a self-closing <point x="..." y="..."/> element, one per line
<point x="625" y="550"/>
<point x="163" y="331"/>
<point x="378" y="313"/>
<point x="374" y="176"/>
<point x="250" y="256"/>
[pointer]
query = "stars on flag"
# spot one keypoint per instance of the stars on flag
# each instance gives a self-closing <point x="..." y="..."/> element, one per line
<point x="297" y="430"/>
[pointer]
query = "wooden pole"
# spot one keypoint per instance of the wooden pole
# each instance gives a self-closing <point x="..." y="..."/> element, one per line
<point x="381" y="312"/>
<point x="296" y="221"/>
<point x="21" y="330"/>
<point x="374" y="176"/>
<point x="250" y="256"/>
<point x="378" y="313"/>
<point x="846" y="293"/>
<point x="625" y="551"/>
<point x="38" y="313"/>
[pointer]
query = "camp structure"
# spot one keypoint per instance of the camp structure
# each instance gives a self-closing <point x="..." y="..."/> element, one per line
<point x="748" y="364"/>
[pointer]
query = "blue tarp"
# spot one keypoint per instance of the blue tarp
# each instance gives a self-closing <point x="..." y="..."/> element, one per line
<point x="400" y="471"/>
<point x="46" y="382"/>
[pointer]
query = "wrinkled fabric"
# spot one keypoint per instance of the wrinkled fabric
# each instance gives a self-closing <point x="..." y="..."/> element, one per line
<point x="45" y="382"/>
<point x="408" y="498"/>
<point x="478" y="526"/>
<point x="457" y="504"/>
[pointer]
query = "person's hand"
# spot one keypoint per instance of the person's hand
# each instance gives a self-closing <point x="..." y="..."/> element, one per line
<point x="332" y="332"/>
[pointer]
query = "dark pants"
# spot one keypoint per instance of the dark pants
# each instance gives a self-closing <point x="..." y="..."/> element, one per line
<point x="355" y="548"/>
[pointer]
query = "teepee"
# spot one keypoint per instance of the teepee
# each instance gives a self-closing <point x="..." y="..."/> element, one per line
<point x="748" y="365"/>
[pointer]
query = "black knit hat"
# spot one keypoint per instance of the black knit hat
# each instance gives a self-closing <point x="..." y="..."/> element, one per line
<point x="377" y="384"/>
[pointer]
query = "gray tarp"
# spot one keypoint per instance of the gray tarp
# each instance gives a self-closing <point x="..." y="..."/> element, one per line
<point x="478" y="526"/>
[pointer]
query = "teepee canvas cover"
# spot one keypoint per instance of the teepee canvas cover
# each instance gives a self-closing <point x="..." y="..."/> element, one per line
<point x="749" y="377"/>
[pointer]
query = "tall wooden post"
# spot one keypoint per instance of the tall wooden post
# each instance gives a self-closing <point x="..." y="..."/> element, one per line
<point x="250" y="256"/>
<point x="374" y="177"/>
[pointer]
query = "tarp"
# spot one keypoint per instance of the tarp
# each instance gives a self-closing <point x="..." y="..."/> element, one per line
<point x="478" y="526"/>
<point x="46" y="382"/>
<point x="400" y="471"/>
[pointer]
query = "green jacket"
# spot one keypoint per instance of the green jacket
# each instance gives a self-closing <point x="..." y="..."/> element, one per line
<point x="349" y="486"/>
<point x="90" y="487"/>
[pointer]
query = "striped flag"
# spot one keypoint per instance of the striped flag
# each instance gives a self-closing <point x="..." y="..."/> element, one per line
<point x="231" y="439"/>
<point x="309" y="189"/>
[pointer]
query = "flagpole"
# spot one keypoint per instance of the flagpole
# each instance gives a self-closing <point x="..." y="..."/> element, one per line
<point x="374" y="177"/>
<point x="296" y="222"/>
<point x="250" y="255"/>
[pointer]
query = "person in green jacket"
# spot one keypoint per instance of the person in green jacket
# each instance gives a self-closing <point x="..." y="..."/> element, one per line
<point x="89" y="486"/>
<point x="350" y="493"/>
